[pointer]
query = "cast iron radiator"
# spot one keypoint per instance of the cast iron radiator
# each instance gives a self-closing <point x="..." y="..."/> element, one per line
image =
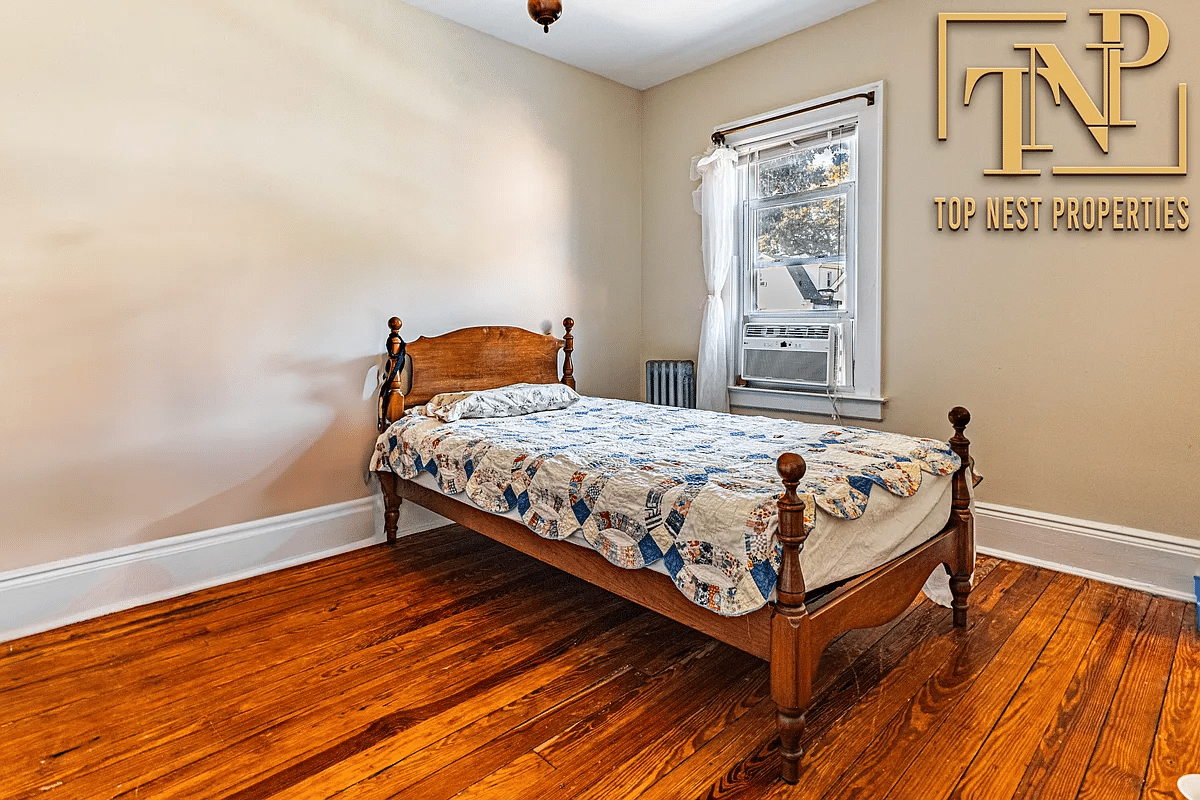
<point x="671" y="383"/>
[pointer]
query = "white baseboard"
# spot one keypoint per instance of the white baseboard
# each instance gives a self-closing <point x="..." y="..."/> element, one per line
<point x="1150" y="562"/>
<point x="45" y="596"/>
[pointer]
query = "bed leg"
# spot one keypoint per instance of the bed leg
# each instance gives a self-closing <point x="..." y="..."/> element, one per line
<point x="792" y="662"/>
<point x="791" y="730"/>
<point x="960" y="510"/>
<point x="391" y="505"/>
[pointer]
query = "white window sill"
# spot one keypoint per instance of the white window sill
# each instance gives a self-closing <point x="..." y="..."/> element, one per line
<point x="851" y="406"/>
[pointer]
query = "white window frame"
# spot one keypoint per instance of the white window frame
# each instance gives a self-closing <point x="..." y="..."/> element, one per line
<point x="862" y="397"/>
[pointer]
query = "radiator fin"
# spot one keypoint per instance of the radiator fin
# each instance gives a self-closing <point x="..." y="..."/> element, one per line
<point x="671" y="383"/>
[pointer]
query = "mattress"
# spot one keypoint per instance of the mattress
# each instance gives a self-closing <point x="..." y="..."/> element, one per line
<point x="689" y="493"/>
<point x="838" y="549"/>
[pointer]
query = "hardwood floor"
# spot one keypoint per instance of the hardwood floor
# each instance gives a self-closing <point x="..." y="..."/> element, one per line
<point x="448" y="666"/>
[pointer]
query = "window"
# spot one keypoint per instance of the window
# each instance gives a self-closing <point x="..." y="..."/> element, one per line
<point x="800" y="205"/>
<point x="807" y="333"/>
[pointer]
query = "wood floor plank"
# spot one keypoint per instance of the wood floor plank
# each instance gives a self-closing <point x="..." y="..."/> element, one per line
<point x="83" y="637"/>
<point x="1177" y="744"/>
<point x="755" y="773"/>
<point x="252" y="641"/>
<point x="834" y="755"/>
<point x="741" y="761"/>
<point x="847" y="648"/>
<point x="749" y="744"/>
<point x="952" y="744"/>
<point x="935" y="686"/>
<point x="1117" y="769"/>
<point x="998" y="767"/>
<point x="659" y="755"/>
<point x="306" y="742"/>
<point x="273" y="669"/>
<point x="517" y="779"/>
<point x="449" y="666"/>
<point x="247" y="709"/>
<point x="1057" y="767"/>
<point x="439" y="712"/>
<point x="603" y="668"/>
<point x="618" y="732"/>
<point x="445" y="779"/>
<point x="183" y="629"/>
<point x="452" y="763"/>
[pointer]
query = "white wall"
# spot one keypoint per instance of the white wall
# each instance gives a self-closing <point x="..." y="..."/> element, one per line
<point x="210" y="209"/>
<point x="209" y="212"/>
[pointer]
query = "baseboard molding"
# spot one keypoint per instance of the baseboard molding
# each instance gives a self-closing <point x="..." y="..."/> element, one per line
<point x="47" y="596"/>
<point x="1150" y="562"/>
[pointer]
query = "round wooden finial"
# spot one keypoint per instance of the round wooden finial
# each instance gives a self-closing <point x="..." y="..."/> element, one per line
<point x="568" y="323"/>
<point x="791" y="467"/>
<point x="959" y="417"/>
<point x="394" y="323"/>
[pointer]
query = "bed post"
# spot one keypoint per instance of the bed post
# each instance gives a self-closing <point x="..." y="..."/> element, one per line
<point x="792" y="662"/>
<point x="391" y="408"/>
<point x="391" y="392"/>
<point x="960" y="510"/>
<point x="568" y="369"/>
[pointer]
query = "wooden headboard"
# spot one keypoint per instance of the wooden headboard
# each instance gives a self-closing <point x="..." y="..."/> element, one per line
<point x="469" y="359"/>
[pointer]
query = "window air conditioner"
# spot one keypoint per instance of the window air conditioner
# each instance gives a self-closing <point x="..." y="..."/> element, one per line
<point x="790" y="354"/>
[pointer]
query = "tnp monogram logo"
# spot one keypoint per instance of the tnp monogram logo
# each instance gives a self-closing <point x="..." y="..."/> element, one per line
<point x="1045" y="62"/>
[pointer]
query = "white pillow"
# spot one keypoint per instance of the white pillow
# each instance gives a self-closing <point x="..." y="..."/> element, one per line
<point x="507" y="401"/>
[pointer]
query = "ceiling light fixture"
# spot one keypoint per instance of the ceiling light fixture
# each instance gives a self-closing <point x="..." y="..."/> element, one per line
<point x="545" y="12"/>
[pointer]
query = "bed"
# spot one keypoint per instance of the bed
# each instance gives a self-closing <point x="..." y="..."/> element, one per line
<point x="762" y="604"/>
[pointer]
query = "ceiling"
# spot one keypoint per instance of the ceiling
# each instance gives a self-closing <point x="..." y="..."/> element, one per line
<point x="642" y="43"/>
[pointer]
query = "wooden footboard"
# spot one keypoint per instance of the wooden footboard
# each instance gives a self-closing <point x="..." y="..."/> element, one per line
<point x="799" y="634"/>
<point x="791" y="633"/>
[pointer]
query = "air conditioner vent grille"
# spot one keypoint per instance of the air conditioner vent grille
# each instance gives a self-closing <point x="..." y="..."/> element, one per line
<point x="757" y="331"/>
<point x="793" y="367"/>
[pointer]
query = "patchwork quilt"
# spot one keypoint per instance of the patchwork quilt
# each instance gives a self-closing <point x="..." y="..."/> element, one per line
<point x="693" y="489"/>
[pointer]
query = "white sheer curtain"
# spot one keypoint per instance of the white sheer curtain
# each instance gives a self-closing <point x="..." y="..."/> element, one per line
<point x="716" y="201"/>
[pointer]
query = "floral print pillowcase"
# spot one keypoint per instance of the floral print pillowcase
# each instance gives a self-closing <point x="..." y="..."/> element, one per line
<point x="507" y="401"/>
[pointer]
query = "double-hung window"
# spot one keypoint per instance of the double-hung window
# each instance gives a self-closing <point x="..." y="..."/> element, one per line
<point x="807" y="332"/>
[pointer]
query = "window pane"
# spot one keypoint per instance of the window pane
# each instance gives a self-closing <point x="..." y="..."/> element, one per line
<point x="814" y="167"/>
<point x="808" y="229"/>
<point x="800" y="264"/>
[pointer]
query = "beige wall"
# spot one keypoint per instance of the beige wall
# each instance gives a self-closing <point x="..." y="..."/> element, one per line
<point x="1076" y="352"/>
<point x="210" y="209"/>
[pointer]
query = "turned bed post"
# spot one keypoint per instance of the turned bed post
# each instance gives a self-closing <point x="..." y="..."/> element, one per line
<point x="960" y="513"/>
<point x="391" y="408"/>
<point x="391" y="391"/>
<point x="568" y="369"/>
<point x="792" y="663"/>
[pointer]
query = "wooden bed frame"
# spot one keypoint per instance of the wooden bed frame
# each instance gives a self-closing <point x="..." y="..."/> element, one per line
<point x="791" y="633"/>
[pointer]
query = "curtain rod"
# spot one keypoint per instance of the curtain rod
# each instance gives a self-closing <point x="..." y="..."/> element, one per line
<point x="718" y="137"/>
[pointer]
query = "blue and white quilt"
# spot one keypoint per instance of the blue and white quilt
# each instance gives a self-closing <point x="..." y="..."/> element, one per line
<point x="695" y="490"/>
